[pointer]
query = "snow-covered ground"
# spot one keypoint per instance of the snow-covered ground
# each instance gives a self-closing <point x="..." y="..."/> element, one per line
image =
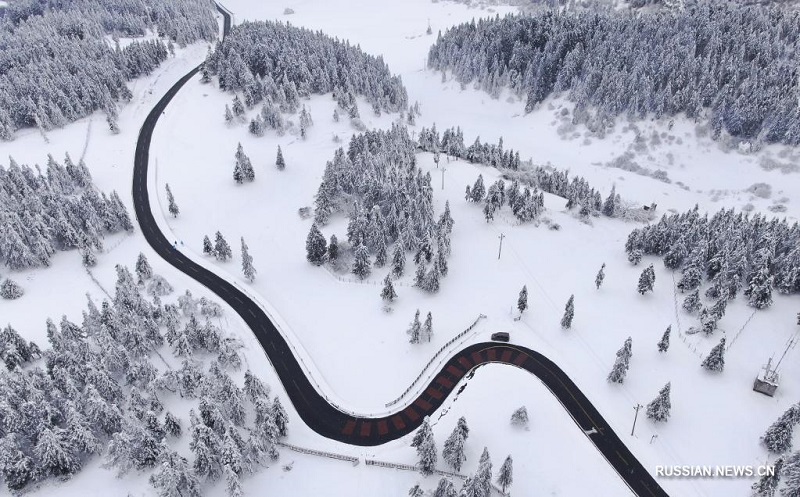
<point x="359" y="353"/>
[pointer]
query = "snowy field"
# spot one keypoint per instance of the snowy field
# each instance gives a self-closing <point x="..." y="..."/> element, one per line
<point x="359" y="353"/>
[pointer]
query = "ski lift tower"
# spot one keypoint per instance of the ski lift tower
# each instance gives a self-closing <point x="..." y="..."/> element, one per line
<point x="768" y="380"/>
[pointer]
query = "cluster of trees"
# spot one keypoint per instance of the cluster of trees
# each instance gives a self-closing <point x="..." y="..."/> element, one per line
<point x="222" y="252"/>
<point x="390" y="201"/>
<point x="243" y="168"/>
<point x="418" y="332"/>
<point x="96" y="391"/>
<point x="451" y="142"/>
<point x="730" y="64"/>
<point x="57" y="66"/>
<point x="476" y="485"/>
<point x="778" y="440"/>
<point x="578" y="192"/>
<point x="59" y="209"/>
<point x="526" y="205"/>
<point x="730" y="251"/>
<point x="280" y="64"/>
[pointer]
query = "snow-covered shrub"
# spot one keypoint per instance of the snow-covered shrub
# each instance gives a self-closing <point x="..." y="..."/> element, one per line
<point x="10" y="290"/>
<point x="158" y="286"/>
<point x="520" y="417"/>
<point x="210" y="308"/>
<point x="760" y="190"/>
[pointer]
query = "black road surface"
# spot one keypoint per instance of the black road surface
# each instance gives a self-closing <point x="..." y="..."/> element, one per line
<point x="326" y="419"/>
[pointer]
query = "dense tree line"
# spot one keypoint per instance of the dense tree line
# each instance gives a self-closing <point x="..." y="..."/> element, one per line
<point x="57" y="65"/>
<point x="732" y="65"/>
<point x="730" y="251"/>
<point x="577" y="191"/>
<point x="451" y="142"/>
<point x="280" y="64"/>
<point x="98" y="390"/>
<point x="58" y="209"/>
<point x="389" y="201"/>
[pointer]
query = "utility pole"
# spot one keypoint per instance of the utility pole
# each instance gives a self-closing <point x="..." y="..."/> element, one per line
<point x="443" y="170"/>
<point x="636" y="407"/>
<point x="500" y="251"/>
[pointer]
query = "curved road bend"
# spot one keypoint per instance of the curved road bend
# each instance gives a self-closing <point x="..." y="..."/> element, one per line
<point x="332" y="423"/>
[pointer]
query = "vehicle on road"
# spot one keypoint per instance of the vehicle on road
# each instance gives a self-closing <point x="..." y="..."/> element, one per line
<point x="501" y="336"/>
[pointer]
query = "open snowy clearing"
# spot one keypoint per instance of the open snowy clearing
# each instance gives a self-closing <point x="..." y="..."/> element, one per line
<point x="360" y="354"/>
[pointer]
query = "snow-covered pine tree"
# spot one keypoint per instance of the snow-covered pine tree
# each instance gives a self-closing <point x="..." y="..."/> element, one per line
<point x="759" y="291"/>
<point x="610" y="205"/>
<point x="362" y="267"/>
<point x="484" y="475"/>
<point x="173" y="207"/>
<point x="419" y="276"/>
<point x="222" y="251"/>
<point x="279" y="417"/>
<point x="663" y="344"/>
<point x="659" y="408"/>
<point x="778" y="437"/>
<point x="172" y="425"/>
<point x="399" y="261"/>
<point x="445" y="488"/>
<point x="381" y="253"/>
<point x="505" y="477"/>
<point x="601" y="275"/>
<point x="208" y="248"/>
<point x="280" y="163"/>
<point x="431" y="282"/>
<point x="621" y="363"/>
<point x="520" y="417"/>
<point x="462" y="427"/>
<point x="238" y="174"/>
<point x="305" y="122"/>
<point x="478" y="190"/>
<point x="767" y="485"/>
<point x="388" y="294"/>
<point x="228" y="115"/>
<point x="10" y="289"/>
<point x="415" y="329"/>
<point x="569" y="313"/>
<point x="427" y="329"/>
<point x="646" y="280"/>
<point x="708" y="321"/>
<point x="55" y="452"/>
<point x="143" y="269"/>
<point x="333" y="249"/>
<point x="173" y="476"/>
<point x="522" y="301"/>
<point x="790" y="473"/>
<point x="692" y="303"/>
<point x="247" y="263"/>
<point x="315" y="246"/>
<point x="88" y="259"/>
<point x="238" y="107"/>
<point x="416" y="491"/>
<point x="453" y="450"/>
<point x="233" y="484"/>
<point x="715" y="360"/>
<point x="426" y="447"/>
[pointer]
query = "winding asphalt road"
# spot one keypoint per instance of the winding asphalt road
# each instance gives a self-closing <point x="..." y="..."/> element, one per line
<point x="326" y="419"/>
